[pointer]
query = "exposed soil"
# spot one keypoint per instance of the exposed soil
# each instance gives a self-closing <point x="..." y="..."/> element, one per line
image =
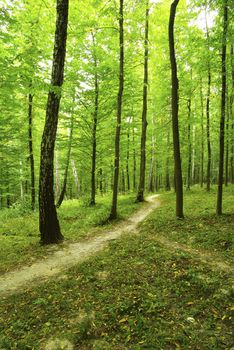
<point x="71" y="254"/>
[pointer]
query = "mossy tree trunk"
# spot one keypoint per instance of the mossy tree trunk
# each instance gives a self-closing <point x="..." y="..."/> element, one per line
<point x="49" y="224"/>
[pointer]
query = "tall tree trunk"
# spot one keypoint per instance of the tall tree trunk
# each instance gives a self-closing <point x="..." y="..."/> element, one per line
<point x="101" y="181"/>
<point x="202" y="137"/>
<point x="30" y="148"/>
<point x="232" y="118"/>
<point x="141" y="187"/>
<point x="21" y="179"/>
<point x="189" y="145"/>
<point x="113" y="212"/>
<point x="64" y="187"/>
<point x="227" y="144"/>
<point x="175" y="108"/>
<point x="222" y="117"/>
<point x="208" y="173"/>
<point x="193" y="153"/>
<point x="127" y="162"/>
<point x="49" y="224"/>
<point x="134" y="159"/>
<point x="152" y="162"/>
<point x="167" y="176"/>
<point x="94" y="131"/>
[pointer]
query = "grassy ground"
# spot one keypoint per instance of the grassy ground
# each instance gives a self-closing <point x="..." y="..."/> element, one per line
<point x="136" y="294"/>
<point x="19" y="236"/>
<point x="201" y="228"/>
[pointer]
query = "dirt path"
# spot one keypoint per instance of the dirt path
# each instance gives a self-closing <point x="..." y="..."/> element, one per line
<point x="72" y="254"/>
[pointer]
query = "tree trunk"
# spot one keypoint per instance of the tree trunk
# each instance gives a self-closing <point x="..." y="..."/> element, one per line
<point x="189" y="145"/>
<point x="208" y="113"/>
<point x="127" y="163"/>
<point x="141" y="187"/>
<point x="152" y="162"/>
<point x="113" y="213"/>
<point x="64" y="187"/>
<point x="194" y="169"/>
<point x="21" y="179"/>
<point x="227" y="144"/>
<point x="175" y="108"/>
<point x="101" y="181"/>
<point x="167" y="176"/>
<point x="222" y="117"/>
<point x="202" y="137"/>
<point x="49" y="224"/>
<point x="94" y="132"/>
<point x="30" y="148"/>
<point x="232" y="118"/>
<point x="134" y="159"/>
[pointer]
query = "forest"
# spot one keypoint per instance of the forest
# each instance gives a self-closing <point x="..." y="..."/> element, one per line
<point x="117" y="174"/>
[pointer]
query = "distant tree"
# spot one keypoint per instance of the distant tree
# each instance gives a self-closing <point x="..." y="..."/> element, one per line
<point x="208" y="173"/>
<point x="174" y="108"/>
<point x="223" y="104"/>
<point x="141" y="188"/>
<point x="49" y="224"/>
<point x="30" y="147"/>
<point x="94" y="123"/>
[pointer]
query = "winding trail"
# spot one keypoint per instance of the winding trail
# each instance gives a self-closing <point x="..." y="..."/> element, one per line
<point x="73" y="253"/>
<point x="18" y="280"/>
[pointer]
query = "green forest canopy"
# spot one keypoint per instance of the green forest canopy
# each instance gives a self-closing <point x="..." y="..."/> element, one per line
<point x="91" y="66"/>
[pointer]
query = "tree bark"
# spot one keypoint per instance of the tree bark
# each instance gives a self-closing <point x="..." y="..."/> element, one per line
<point x="222" y="117"/>
<point x="208" y="173"/>
<point x="227" y="144"/>
<point x="30" y="148"/>
<point x="141" y="187"/>
<point x="232" y="118"/>
<point x="127" y="161"/>
<point x="202" y="137"/>
<point x="94" y="131"/>
<point x="134" y="159"/>
<point x="113" y="212"/>
<point x="175" y="108"/>
<point x="189" y="145"/>
<point x="151" y="182"/>
<point x="49" y="224"/>
<point x="64" y="187"/>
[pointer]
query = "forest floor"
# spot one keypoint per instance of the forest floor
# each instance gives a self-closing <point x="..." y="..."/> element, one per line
<point x="165" y="285"/>
<point x="73" y="253"/>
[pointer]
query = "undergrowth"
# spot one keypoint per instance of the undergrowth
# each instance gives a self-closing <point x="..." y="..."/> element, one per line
<point x="136" y="294"/>
<point x="19" y="233"/>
